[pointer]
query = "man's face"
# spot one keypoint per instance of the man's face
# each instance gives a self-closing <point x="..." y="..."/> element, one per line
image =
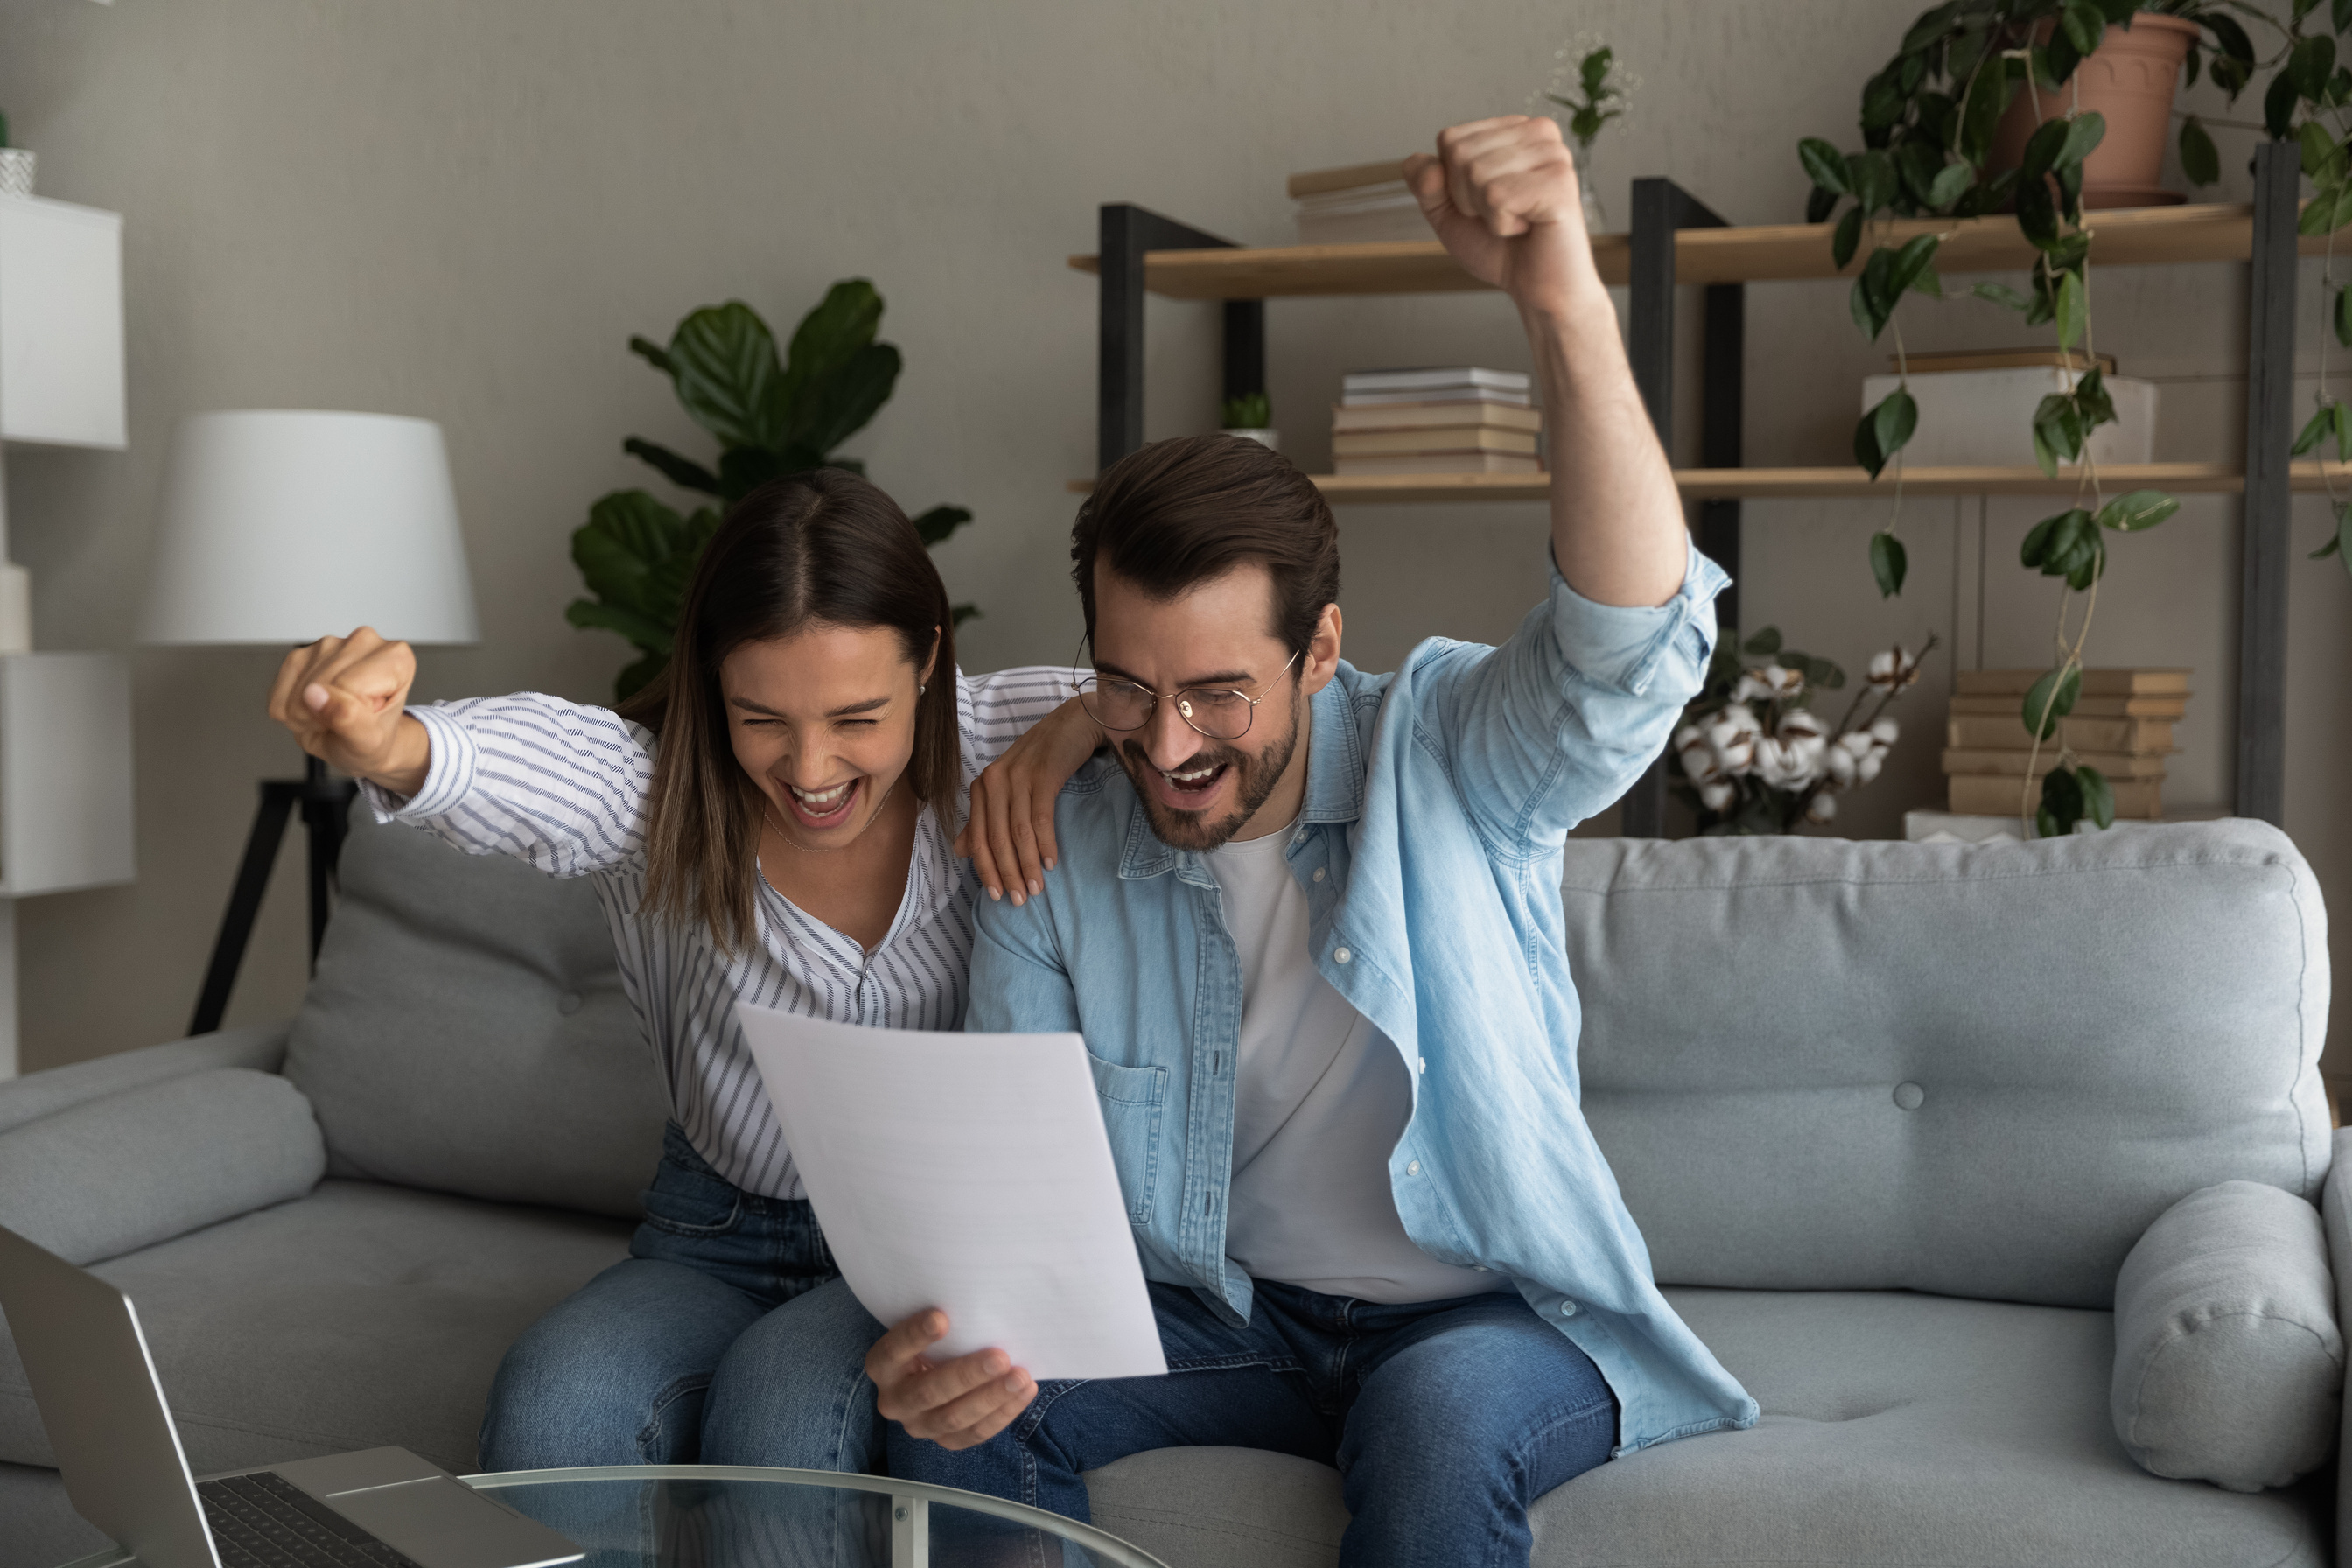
<point x="1197" y="791"/>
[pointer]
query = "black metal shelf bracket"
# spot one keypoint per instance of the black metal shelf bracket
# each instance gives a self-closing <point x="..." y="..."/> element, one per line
<point x="1127" y="233"/>
<point x="2270" y="433"/>
<point x="1660" y="208"/>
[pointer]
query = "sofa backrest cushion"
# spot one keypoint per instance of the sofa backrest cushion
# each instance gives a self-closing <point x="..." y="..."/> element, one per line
<point x="1978" y="1070"/>
<point x="467" y="1031"/>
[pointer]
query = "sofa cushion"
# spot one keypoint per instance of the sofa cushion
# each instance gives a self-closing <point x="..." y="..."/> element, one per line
<point x="110" y="1176"/>
<point x="466" y="1032"/>
<point x="361" y="1315"/>
<point x="2229" y="1363"/>
<point x="1898" y="1429"/>
<point x="1976" y="1070"/>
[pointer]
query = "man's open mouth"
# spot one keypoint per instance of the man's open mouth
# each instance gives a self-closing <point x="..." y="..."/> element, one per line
<point x="1194" y="780"/>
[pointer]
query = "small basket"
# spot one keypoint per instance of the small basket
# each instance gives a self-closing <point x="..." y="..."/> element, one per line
<point x="15" y="172"/>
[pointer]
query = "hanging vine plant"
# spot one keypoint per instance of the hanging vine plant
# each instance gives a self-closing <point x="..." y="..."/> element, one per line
<point x="1927" y="125"/>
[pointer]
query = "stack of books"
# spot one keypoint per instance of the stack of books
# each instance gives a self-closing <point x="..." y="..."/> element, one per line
<point x="1460" y="420"/>
<point x="1360" y="203"/>
<point x="2121" y="724"/>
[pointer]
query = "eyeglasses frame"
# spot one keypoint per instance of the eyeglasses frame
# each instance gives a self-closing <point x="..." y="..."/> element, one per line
<point x="1078" y="689"/>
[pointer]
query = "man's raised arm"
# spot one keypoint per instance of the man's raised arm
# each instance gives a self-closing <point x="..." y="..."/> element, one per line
<point x="1502" y="195"/>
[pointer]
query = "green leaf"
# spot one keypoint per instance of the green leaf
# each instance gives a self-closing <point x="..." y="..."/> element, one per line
<point x="2001" y="294"/>
<point x="639" y="675"/>
<point x="1893" y="421"/>
<point x="935" y="525"/>
<point x="2037" y="214"/>
<point x="2323" y="159"/>
<point x="2278" y="106"/>
<point x="2311" y="64"/>
<point x="2042" y="149"/>
<point x="830" y="408"/>
<point x="742" y="469"/>
<point x="1931" y="27"/>
<point x="2072" y="545"/>
<point x="2085" y="23"/>
<point x="2050" y="699"/>
<point x="2340" y="544"/>
<point x="2344" y="313"/>
<point x="1847" y="236"/>
<point x="2139" y="509"/>
<point x="2085" y="132"/>
<point x="1950" y="181"/>
<point x="1873" y="299"/>
<point x="640" y="629"/>
<point x="1825" y="165"/>
<point x="831" y="335"/>
<point x="2321" y="426"/>
<point x="1909" y="264"/>
<point x="2340" y="15"/>
<point x="725" y="362"/>
<point x="2037" y="542"/>
<point x="1866" y="446"/>
<point x="1819" y="205"/>
<point x="2061" y="804"/>
<point x="2072" y="309"/>
<point x="679" y="471"/>
<point x="1887" y="563"/>
<point x="2090" y="397"/>
<point x="2044" y="456"/>
<point x="2328" y="211"/>
<point x="1763" y="643"/>
<point x="2343" y="432"/>
<point x="2200" y="158"/>
<point x="653" y="353"/>
<point x="1872" y="176"/>
<point x="964" y="612"/>
<point x="1981" y="111"/>
<point x="2098" y="797"/>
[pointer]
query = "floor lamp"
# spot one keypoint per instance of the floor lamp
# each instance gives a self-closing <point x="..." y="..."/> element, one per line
<point x="279" y="527"/>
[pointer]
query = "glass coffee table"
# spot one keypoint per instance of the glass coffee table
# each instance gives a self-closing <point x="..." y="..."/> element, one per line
<point x="724" y="1516"/>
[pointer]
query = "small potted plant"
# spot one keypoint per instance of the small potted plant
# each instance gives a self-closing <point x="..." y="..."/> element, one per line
<point x="1586" y="82"/>
<point x="15" y="165"/>
<point x="1251" y="418"/>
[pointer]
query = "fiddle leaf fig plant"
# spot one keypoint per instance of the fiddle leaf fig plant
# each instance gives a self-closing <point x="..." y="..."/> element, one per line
<point x="772" y="415"/>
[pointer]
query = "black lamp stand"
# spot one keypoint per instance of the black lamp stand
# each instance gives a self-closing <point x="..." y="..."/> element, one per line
<point x="326" y="803"/>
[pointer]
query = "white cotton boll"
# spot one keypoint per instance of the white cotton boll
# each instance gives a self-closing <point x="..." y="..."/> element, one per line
<point x="1749" y="689"/>
<point x="1686" y="737"/>
<point x="1802" y="725"/>
<point x="1741" y="717"/>
<point x="1821" y="808"/>
<point x="1882" y="667"/>
<point x="1784" y="764"/>
<point x="1856" y="743"/>
<point x="1885" y="731"/>
<point x="1841" y="763"/>
<point x="1699" y="763"/>
<point x="1717" y="796"/>
<point x="1782" y="682"/>
<point x="1867" y="769"/>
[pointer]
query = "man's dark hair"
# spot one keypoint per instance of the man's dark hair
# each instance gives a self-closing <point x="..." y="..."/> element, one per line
<point x="1176" y="514"/>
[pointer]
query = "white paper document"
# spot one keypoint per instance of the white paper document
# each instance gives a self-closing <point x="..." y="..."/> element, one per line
<point x="969" y="1173"/>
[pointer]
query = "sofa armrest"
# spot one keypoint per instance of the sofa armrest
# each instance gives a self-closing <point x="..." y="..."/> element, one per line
<point x="2336" y="1217"/>
<point x="261" y="1046"/>
<point x="128" y="1170"/>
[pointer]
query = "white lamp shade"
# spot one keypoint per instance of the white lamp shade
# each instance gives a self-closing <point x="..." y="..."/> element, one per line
<point x="284" y="526"/>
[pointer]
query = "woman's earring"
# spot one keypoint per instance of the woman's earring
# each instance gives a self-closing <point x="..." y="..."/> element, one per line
<point x="920" y="689"/>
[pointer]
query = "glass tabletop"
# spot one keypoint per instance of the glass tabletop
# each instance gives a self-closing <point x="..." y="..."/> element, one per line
<point x="719" y="1516"/>
<point x="723" y="1516"/>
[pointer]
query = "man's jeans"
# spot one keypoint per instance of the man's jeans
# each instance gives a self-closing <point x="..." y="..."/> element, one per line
<point x="691" y="1349"/>
<point x="1446" y="1418"/>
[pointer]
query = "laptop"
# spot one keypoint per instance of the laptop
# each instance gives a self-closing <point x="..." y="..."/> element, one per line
<point x="120" y="1454"/>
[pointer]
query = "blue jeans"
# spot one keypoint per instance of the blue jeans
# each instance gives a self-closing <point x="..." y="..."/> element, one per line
<point x="690" y="1350"/>
<point x="1447" y="1420"/>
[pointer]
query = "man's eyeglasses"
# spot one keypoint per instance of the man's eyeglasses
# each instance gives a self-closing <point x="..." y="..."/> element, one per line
<point x="1120" y="704"/>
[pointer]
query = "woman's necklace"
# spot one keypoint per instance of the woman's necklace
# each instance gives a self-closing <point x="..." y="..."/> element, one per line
<point x="767" y="811"/>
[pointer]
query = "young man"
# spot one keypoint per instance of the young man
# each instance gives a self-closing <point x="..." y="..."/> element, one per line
<point x="1309" y="922"/>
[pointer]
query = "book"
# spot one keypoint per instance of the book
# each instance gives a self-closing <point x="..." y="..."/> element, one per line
<point x="2096" y="682"/>
<point x="1997" y="359"/>
<point x="1997" y="795"/>
<point x="1434" y="417"/>
<point x="1440" y="463"/>
<point x="2114" y="764"/>
<point x="2007" y="731"/>
<point x="1437" y="378"/>
<point x="1354" y="176"/>
<point x="2014" y="706"/>
<point x="1426" y="395"/>
<point x="1461" y="439"/>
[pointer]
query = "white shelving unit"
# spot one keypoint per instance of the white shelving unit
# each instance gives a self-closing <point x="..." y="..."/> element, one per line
<point x="65" y="718"/>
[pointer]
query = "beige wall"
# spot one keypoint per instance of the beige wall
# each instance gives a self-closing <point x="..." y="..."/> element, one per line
<point x="462" y="208"/>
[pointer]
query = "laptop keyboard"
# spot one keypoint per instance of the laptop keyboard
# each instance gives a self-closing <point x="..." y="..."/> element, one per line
<point x="261" y="1522"/>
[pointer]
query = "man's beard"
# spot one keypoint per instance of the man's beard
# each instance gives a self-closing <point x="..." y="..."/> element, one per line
<point x="1253" y="782"/>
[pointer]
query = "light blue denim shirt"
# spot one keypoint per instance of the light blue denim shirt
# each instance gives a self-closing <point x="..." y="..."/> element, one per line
<point x="1429" y="850"/>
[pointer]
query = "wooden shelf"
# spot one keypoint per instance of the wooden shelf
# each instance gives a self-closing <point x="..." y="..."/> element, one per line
<point x="2133" y="237"/>
<point x="1765" y="484"/>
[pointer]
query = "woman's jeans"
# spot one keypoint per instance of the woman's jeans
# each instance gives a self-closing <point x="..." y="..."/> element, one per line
<point x="700" y="1347"/>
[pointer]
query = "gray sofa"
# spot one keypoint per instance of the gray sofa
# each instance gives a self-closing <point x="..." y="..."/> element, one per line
<point x="1895" y="1119"/>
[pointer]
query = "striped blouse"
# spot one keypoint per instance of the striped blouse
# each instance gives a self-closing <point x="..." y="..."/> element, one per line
<point x="562" y="786"/>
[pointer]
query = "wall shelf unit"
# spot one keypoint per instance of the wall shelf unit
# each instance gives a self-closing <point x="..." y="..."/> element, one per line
<point x="1676" y="240"/>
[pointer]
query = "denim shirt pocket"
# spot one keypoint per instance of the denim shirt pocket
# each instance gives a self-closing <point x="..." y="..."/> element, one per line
<point x="1131" y="1098"/>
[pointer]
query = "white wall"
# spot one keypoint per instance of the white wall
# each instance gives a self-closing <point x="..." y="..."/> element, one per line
<point x="462" y="208"/>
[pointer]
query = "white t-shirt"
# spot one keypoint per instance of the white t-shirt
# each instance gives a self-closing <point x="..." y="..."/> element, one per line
<point x="1321" y="1099"/>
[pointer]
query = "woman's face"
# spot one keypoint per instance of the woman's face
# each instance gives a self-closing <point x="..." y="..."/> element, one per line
<point x="824" y="722"/>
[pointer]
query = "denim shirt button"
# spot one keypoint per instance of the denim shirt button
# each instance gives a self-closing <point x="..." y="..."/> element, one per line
<point x="1568" y="1309"/>
<point x="1318" y="873"/>
<point x="1341" y="955"/>
<point x="1413" y="1169"/>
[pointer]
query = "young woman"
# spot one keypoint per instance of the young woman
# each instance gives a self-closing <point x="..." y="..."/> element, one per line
<point x="771" y="821"/>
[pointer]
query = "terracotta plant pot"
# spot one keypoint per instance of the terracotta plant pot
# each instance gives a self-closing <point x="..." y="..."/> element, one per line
<point x="2130" y="81"/>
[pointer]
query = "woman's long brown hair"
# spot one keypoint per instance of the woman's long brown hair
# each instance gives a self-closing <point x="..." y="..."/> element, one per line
<point x="823" y="548"/>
